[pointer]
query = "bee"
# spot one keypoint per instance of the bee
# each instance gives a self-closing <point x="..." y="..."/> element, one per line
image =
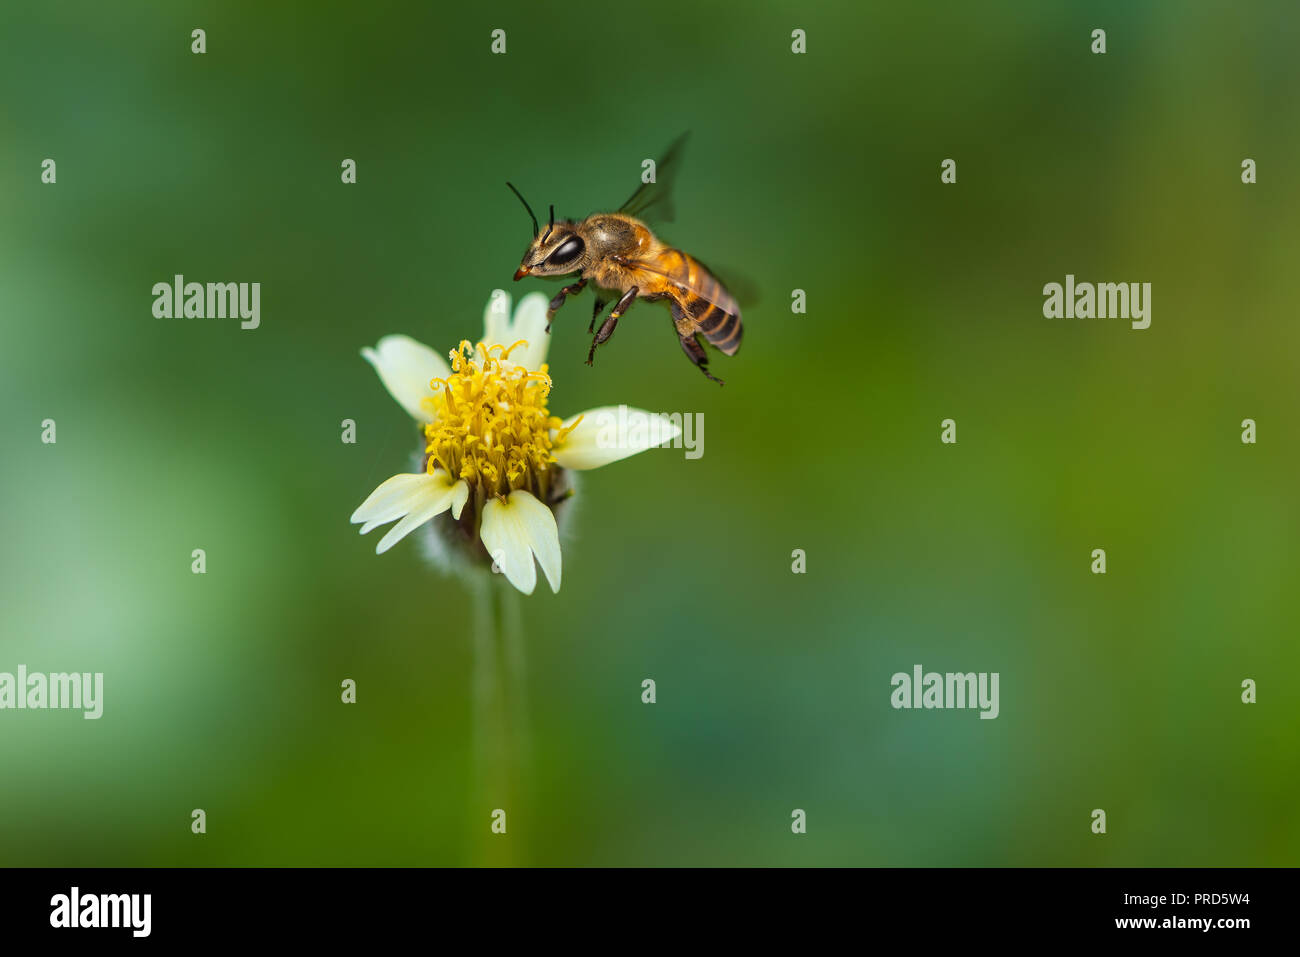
<point x="619" y="254"/>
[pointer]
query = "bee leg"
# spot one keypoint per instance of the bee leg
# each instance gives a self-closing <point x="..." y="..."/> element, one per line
<point x="620" y="307"/>
<point x="611" y="322"/>
<point x="606" y="330"/>
<point x="570" y="290"/>
<point x="591" y="327"/>
<point x="695" y="352"/>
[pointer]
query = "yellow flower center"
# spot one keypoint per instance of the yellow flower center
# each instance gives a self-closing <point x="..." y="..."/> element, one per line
<point x="491" y="426"/>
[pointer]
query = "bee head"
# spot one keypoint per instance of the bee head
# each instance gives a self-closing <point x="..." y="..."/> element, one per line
<point x="556" y="252"/>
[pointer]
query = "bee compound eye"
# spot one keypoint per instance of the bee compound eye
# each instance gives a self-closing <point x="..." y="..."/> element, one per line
<point x="568" y="251"/>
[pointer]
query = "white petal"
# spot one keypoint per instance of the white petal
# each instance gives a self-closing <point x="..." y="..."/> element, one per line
<point x="610" y="433"/>
<point x="504" y="540"/>
<point x="459" y="496"/>
<point x="393" y="499"/>
<point x="414" y="498"/>
<point x="530" y="325"/>
<point x="421" y="514"/>
<point x="496" y="318"/>
<point x="406" y="367"/>
<point x="516" y="530"/>
<point x="542" y="533"/>
<point x="410" y="523"/>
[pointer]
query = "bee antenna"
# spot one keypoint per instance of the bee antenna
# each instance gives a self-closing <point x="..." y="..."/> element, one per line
<point x="549" y="226"/>
<point x="527" y="207"/>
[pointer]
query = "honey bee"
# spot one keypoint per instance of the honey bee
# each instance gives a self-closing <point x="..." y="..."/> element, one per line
<point x="618" y="253"/>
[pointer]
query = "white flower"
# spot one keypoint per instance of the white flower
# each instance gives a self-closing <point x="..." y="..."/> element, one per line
<point x="494" y="457"/>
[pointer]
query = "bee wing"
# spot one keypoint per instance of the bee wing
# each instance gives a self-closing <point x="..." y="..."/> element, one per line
<point x="740" y="284"/>
<point x="706" y="287"/>
<point x="654" y="201"/>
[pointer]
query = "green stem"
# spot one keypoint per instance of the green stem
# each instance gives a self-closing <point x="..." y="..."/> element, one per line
<point x="500" y="718"/>
<point x="517" y="680"/>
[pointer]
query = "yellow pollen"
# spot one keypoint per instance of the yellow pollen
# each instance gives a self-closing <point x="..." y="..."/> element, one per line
<point x="491" y="426"/>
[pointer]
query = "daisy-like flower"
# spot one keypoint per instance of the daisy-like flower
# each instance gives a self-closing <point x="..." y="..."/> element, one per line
<point x="494" y="469"/>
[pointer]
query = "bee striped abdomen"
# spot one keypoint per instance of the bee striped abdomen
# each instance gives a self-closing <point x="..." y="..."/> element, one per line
<point x="709" y="304"/>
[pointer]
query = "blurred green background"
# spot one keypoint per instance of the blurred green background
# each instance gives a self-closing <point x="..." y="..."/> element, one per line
<point x="818" y="172"/>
